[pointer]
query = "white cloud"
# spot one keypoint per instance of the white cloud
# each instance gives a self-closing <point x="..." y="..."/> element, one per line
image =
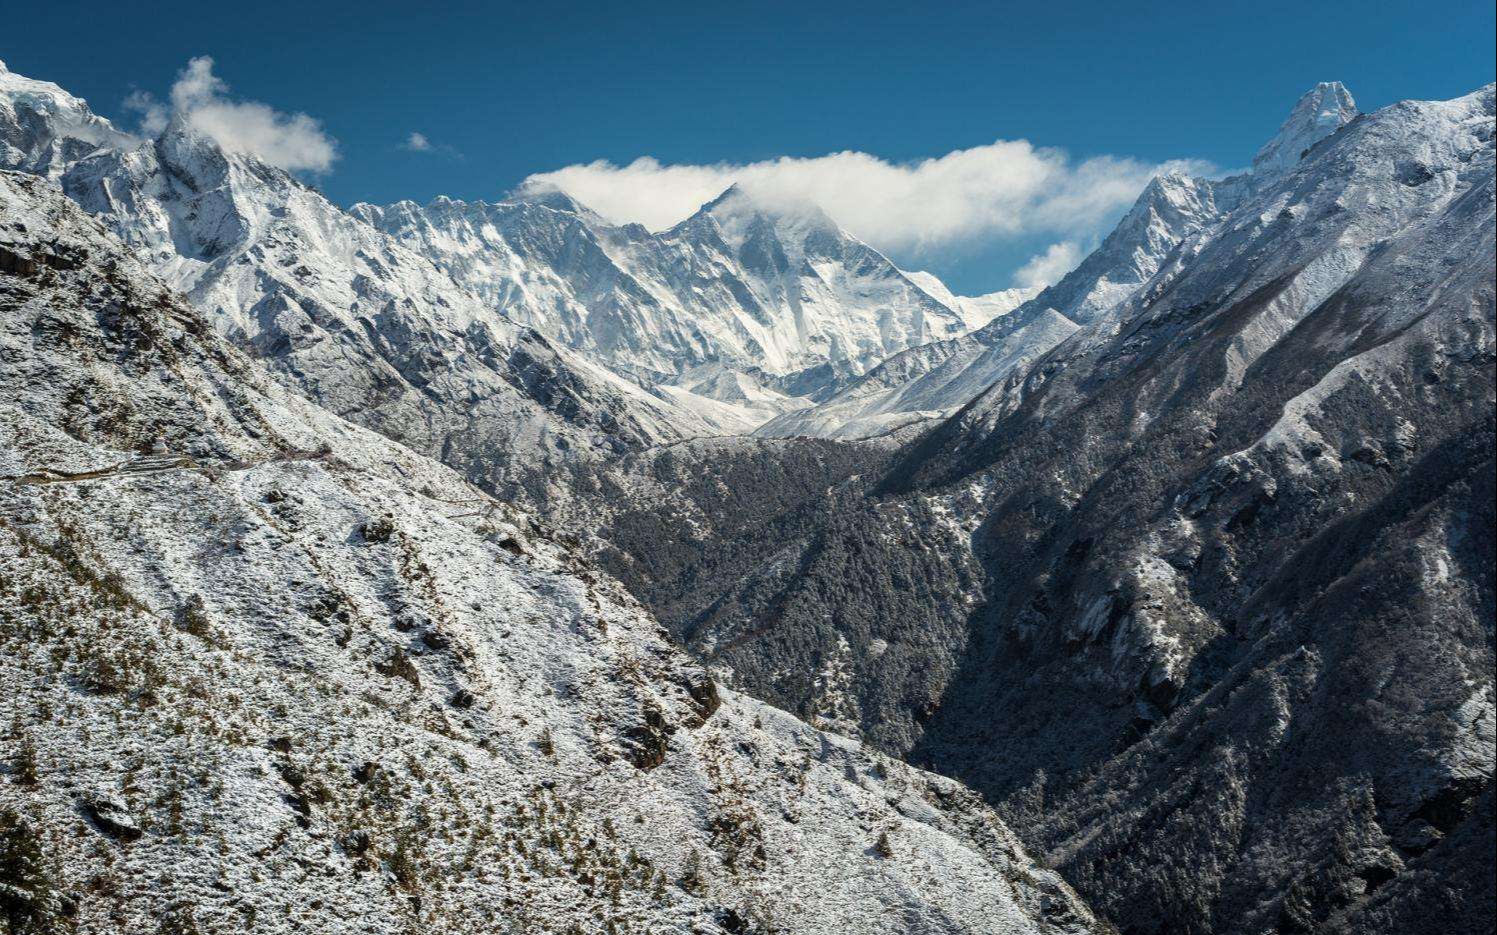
<point x="153" y="116"/>
<point x="1005" y="189"/>
<point x="291" y="141"/>
<point x="1042" y="269"/>
<point x="418" y="142"/>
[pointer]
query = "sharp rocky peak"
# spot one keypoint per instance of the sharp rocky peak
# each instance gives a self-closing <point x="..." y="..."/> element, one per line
<point x="1321" y="111"/>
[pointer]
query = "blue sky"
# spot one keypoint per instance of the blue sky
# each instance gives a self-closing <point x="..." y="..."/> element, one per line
<point x="502" y="92"/>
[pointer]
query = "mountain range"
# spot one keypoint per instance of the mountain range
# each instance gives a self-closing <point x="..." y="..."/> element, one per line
<point x="1202" y="595"/>
<point x="493" y="566"/>
<point x="755" y="303"/>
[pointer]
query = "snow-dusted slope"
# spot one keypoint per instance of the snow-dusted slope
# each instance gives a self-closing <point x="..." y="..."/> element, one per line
<point x="932" y="382"/>
<point x="1259" y="468"/>
<point x="281" y="674"/>
<point x="742" y="283"/>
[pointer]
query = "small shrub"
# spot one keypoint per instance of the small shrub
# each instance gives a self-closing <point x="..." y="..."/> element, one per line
<point x="193" y="618"/>
<point x="693" y="877"/>
<point x="23" y="766"/>
<point x="179" y="920"/>
<point x="377" y="531"/>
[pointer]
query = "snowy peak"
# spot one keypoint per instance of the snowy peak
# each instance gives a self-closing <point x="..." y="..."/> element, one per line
<point x="977" y="310"/>
<point x="743" y="214"/>
<point x="546" y="197"/>
<point x="1173" y="198"/>
<point x="750" y="281"/>
<point x="44" y="129"/>
<point x="192" y="156"/>
<point x="1323" y="110"/>
<point x="1171" y="208"/>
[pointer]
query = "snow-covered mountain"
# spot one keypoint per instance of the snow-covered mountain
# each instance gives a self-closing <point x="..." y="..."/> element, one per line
<point x="746" y="285"/>
<point x="977" y="310"/>
<point x="1203" y="593"/>
<point x="1323" y="110"/>
<point x="932" y="382"/>
<point x="750" y="309"/>
<point x="44" y="129"/>
<point x="265" y="670"/>
<point x="339" y="310"/>
<point x="1184" y="565"/>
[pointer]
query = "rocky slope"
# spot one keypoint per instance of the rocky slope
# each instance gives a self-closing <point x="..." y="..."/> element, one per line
<point x="1237" y="490"/>
<point x="1204" y="592"/>
<point x="278" y="673"/>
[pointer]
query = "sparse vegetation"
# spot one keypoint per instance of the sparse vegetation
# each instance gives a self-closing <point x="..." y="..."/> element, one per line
<point x="30" y="902"/>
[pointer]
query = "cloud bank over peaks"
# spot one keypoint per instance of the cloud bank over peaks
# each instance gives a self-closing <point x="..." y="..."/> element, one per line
<point x="295" y="142"/>
<point x="1007" y="190"/>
